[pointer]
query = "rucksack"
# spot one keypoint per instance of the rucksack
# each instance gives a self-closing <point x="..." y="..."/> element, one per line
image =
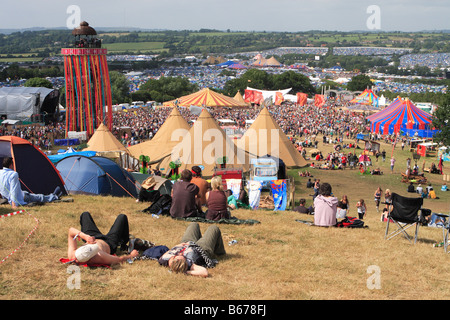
<point x="160" y="206"/>
<point x="350" y="222"/>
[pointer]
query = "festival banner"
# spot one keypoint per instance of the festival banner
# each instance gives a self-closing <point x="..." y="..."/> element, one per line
<point x="278" y="98"/>
<point x="249" y="95"/>
<point x="319" y="100"/>
<point x="302" y="98"/>
<point x="279" y="191"/>
<point x="258" y="97"/>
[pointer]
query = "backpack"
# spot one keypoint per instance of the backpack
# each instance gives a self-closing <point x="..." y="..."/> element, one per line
<point x="160" y="206"/>
<point x="350" y="222"/>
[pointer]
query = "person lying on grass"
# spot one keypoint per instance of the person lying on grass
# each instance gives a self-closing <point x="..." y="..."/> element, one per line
<point x="194" y="254"/>
<point x="100" y="248"/>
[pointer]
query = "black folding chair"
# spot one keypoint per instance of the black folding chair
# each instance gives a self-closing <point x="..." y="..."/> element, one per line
<point x="405" y="214"/>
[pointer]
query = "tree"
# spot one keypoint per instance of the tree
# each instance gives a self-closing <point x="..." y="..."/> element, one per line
<point x="290" y="79"/>
<point x="38" y="83"/>
<point x="168" y="88"/>
<point x="257" y="79"/>
<point x="119" y="87"/>
<point x="441" y="121"/>
<point x="359" y="83"/>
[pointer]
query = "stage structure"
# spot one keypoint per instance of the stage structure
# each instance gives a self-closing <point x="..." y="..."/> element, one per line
<point x="88" y="88"/>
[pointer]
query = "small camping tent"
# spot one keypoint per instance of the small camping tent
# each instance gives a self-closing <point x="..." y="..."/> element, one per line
<point x="96" y="176"/>
<point x="36" y="172"/>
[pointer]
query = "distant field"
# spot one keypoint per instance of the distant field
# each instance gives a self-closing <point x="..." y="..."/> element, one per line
<point x="135" y="46"/>
<point x="19" y="59"/>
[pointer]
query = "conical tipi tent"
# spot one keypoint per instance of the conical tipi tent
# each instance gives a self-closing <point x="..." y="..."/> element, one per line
<point x="238" y="97"/>
<point x="205" y="98"/>
<point x="205" y="146"/>
<point x="104" y="141"/>
<point x="266" y="137"/>
<point x="262" y="62"/>
<point x="165" y="139"/>
<point x="272" y="62"/>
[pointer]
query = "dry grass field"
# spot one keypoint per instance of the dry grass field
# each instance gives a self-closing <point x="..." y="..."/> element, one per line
<point x="278" y="259"/>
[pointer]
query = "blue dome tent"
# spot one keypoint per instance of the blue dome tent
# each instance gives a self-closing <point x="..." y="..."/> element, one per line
<point x="96" y="176"/>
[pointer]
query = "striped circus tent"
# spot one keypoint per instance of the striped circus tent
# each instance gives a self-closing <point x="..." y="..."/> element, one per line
<point x="402" y="116"/>
<point x="367" y="97"/>
<point x="205" y="98"/>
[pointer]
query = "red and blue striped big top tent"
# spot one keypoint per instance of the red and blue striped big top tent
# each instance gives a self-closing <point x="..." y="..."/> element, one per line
<point x="402" y="116"/>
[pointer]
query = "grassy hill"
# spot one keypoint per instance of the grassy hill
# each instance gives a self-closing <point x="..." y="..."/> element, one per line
<point x="278" y="259"/>
<point x="43" y="43"/>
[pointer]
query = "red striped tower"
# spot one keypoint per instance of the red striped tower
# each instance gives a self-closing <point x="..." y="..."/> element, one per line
<point x="88" y="89"/>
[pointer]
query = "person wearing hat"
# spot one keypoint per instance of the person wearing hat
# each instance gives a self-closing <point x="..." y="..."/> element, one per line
<point x="147" y="193"/>
<point x="100" y="248"/>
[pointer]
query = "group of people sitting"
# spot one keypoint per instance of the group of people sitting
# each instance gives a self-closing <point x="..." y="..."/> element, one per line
<point x="425" y="193"/>
<point x="192" y="194"/>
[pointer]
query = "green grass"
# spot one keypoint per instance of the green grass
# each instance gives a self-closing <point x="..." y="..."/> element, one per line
<point x="135" y="46"/>
<point x="278" y="259"/>
<point x="20" y="59"/>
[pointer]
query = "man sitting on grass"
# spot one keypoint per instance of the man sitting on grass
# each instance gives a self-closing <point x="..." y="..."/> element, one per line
<point x="11" y="190"/>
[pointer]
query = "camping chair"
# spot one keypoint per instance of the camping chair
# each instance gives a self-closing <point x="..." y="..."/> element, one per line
<point x="404" y="215"/>
<point x="445" y="230"/>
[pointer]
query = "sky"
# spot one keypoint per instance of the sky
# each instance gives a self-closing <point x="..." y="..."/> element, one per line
<point x="236" y="15"/>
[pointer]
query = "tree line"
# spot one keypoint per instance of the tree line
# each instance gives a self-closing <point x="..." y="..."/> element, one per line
<point x="49" y="42"/>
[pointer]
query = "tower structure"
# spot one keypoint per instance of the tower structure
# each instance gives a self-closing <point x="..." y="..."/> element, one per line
<point x="88" y="88"/>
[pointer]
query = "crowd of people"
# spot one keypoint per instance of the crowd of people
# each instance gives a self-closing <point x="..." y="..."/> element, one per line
<point x="41" y="136"/>
<point x="305" y="122"/>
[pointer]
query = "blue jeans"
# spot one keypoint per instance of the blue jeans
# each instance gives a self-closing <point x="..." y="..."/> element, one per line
<point x="435" y="219"/>
<point x="33" y="197"/>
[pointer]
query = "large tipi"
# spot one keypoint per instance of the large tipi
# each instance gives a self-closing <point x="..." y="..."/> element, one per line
<point x="205" y="145"/>
<point x="165" y="139"/>
<point x="266" y="137"/>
